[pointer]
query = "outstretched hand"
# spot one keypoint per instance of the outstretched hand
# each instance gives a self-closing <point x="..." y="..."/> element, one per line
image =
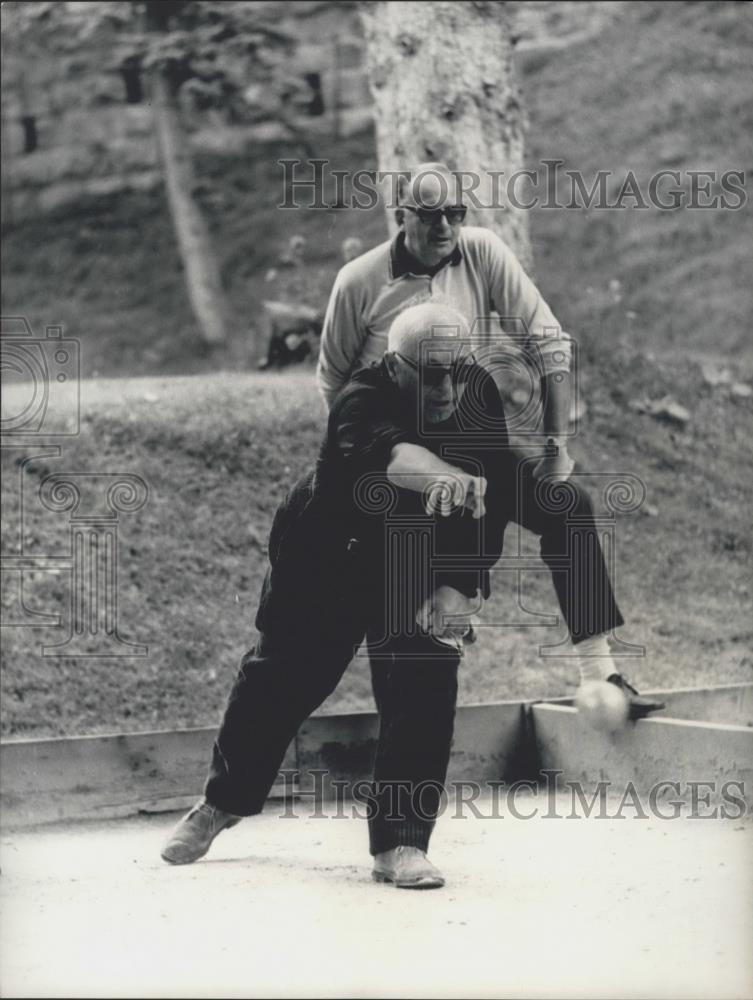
<point x="456" y="489"/>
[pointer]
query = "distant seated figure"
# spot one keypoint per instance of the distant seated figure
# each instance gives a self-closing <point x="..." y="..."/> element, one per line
<point x="293" y="255"/>
<point x="289" y="259"/>
<point x="293" y="330"/>
<point x="293" y="333"/>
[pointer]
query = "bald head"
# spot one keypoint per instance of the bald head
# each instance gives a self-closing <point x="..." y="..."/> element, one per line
<point x="429" y="185"/>
<point x="425" y="358"/>
<point x="421" y="322"/>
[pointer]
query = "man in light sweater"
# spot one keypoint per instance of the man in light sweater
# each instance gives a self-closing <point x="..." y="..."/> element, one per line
<point x="470" y="269"/>
<point x="435" y="257"/>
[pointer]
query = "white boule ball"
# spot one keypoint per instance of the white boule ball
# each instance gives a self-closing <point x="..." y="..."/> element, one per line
<point x="603" y="706"/>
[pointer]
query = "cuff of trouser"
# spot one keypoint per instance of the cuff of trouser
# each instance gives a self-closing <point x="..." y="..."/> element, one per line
<point x="220" y="792"/>
<point x="607" y="625"/>
<point x="385" y="835"/>
<point x="229" y="804"/>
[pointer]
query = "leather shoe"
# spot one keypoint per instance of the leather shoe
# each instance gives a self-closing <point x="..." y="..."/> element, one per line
<point x="192" y="837"/>
<point x="406" y="868"/>
<point x="640" y="705"/>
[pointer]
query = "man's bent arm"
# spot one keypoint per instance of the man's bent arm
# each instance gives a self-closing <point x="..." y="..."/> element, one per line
<point x="523" y="309"/>
<point x="415" y="468"/>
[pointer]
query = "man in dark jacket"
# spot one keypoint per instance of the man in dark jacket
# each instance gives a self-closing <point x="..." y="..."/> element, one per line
<point x="388" y="539"/>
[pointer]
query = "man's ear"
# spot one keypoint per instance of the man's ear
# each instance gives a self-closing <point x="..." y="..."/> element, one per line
<point x="389" y="361"/>
<point x="399" y="216"/>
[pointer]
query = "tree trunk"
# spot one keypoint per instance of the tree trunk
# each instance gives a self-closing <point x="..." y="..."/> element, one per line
<point x="442" y="79"/>
<point x="194" y="241"/>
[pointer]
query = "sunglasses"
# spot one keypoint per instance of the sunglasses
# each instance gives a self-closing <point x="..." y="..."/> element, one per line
<point x="434" y="374"/>
<point x="431" y="216"/>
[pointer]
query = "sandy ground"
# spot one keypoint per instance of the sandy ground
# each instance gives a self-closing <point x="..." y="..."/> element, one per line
<point x="285" y="907"/>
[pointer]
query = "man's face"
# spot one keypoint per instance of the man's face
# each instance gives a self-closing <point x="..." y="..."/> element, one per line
<point x="429" y="234"/>
<point x="439" y="398"/>
<point x="436" y="386"/>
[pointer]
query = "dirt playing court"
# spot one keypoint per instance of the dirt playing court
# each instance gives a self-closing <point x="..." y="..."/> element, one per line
<point x="285" y="907"/>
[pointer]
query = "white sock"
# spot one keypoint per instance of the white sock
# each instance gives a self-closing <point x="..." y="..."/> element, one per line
<point x="595" y="661"/>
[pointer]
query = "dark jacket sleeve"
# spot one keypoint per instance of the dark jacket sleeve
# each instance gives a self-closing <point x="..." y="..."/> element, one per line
<point x="364" y="426"/>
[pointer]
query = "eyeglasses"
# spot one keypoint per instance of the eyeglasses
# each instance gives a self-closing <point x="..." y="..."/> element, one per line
<point x="431" y="216"/>
<point x="435" y="374"/>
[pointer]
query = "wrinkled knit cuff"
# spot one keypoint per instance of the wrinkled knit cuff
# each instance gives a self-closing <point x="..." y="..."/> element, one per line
<point x="555" y="353"/>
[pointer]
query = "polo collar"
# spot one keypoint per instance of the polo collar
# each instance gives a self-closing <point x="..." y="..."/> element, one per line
<point x="403" y="262"/>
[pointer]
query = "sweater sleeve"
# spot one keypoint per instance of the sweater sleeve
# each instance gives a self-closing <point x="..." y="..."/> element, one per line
<point x="343" y="335"/>
<point x="522" y="308"/>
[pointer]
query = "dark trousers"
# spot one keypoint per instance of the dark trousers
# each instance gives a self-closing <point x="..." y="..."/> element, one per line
<point x="278" y="687"/>
<point x="415" y="684"/>
<point x="318" y="602"/>
<point x="563" y="518"/>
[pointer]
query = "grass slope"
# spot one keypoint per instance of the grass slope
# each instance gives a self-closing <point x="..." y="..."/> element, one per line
<point x="663" y="84"/>
<point x="666" y="86"/>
